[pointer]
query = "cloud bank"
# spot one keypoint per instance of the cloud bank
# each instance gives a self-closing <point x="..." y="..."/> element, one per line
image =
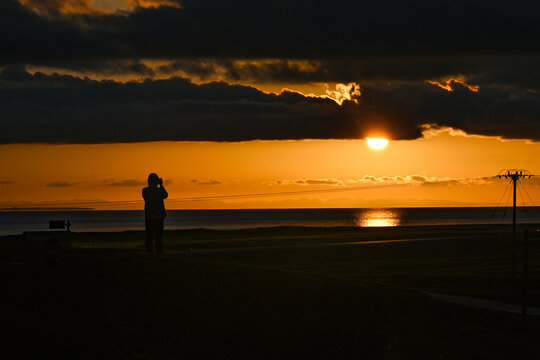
<point x="472" y="65"/>
<point x="66" y="109"/>
<point x="486" y="41"/>
<point x="274" y="28"/>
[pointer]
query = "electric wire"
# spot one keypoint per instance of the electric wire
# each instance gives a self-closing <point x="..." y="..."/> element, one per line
<point x="233" y="196"/>
<point x="507" y="205"/>
<point x="499" y="203"/>
<point x="284" y="193"/>
<point x="532" y="201"/>
<point x="522" y="200"/>
<point x="239" y="196"/>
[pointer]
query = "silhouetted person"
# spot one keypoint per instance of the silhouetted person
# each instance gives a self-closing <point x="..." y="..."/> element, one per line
<point x="154" y="211"/>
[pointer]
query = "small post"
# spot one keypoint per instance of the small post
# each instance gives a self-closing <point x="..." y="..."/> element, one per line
<point x="62" y="224"/>
<point x="525" y="272"/>
<point x="68" y="230"/>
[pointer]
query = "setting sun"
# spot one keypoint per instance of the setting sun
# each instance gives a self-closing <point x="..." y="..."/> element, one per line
<point x="377" y="143"/>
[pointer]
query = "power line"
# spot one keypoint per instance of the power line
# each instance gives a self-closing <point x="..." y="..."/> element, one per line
<point x="501" y="199"/>
<point x="523" y="200"/>
<point x="531" y="200"/>
<point x="285" y="193"/>
<point x="251" y="195"/>
<point x="233" y="196"/>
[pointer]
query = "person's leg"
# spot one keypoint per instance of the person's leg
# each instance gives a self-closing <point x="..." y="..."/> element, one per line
<point x="149" y="234"/>
<point x="159" y="235"/>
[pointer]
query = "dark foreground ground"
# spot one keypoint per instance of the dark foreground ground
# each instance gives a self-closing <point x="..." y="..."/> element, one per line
<point x="258" y="297"/>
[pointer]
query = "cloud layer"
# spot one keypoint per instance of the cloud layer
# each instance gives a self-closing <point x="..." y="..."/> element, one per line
<point x="282" y="28"/>
<point x="390" y="48"/>
<point x="488" y="41"/>
<point x="66" y="109"/>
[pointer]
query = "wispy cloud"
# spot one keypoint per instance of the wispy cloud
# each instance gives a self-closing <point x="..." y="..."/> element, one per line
<point x="206" y="182"/>
<point x="125" y="182"/>
<point x="322" y="181"/>
<point x="60" y="184"/>
<point x="414" y="179"/>
<point x="417" y="179"/>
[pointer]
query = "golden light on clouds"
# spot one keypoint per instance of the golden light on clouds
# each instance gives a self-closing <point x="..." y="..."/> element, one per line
<point x="217" y="70"/>
<point x="450" y="83"/>
<point x="377" y="143"/>
<point x="342" y="92"/>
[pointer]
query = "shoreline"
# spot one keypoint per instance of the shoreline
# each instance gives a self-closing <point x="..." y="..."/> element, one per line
<point x="307" y="228"/>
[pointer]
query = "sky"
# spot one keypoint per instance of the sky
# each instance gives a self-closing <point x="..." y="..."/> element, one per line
<point x="267" y="104"/>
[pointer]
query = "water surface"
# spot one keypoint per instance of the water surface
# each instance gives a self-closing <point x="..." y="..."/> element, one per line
<point x="15" y="222"/>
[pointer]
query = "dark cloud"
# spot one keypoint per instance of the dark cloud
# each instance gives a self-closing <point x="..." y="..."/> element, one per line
<point x="522" y="71"/>
<point x="128" y="182"/>
<point x="59" y="184"/>
<point x="354" y="40"/>
<point x="322" y="181"/>
<point x="419" y="178"/>
<point x="318" y="182"/>
<point x="125" y="182"/>
<point x="6" y="182"/>
<point x="66" y="109"/>
<point x="209" y="182"/>
<point x="111" y="68"/>
<point x="266" y="70"/>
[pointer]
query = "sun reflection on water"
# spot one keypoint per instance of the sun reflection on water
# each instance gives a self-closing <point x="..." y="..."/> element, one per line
<point x="377" y="218"/>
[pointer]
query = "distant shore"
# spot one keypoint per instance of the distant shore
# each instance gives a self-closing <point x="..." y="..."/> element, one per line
<point x="85" y="220"/>
<point x="45" y="208"/>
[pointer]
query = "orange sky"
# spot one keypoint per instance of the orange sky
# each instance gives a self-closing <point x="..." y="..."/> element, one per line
<point x="37" y="174"/>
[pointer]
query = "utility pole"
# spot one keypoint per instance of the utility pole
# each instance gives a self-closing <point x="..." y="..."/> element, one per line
<point x="514" y="175"/>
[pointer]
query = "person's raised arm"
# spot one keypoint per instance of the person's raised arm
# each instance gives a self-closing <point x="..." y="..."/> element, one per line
<point x="165" y="193"/>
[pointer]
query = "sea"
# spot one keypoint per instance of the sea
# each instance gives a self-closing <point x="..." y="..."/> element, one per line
<point x="15" y="222"/>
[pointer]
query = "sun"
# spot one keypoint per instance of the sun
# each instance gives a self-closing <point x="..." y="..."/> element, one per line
<point x="377" y="143"/>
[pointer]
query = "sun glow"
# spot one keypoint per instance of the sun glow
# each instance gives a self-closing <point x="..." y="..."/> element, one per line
<point x="377" y="143"/>
<point x="378" y="218"/>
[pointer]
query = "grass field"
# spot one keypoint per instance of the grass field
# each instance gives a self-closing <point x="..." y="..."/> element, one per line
<point x="276" y="293"/>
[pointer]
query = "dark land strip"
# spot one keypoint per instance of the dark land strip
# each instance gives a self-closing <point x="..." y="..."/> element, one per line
<point x="332" y="302"/>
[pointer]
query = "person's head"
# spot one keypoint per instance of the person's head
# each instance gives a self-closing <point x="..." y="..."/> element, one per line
<point x="153" y="180"/>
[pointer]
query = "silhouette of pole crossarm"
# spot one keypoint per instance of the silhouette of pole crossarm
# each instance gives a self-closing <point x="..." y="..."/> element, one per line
<point x="514" y="175"/>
